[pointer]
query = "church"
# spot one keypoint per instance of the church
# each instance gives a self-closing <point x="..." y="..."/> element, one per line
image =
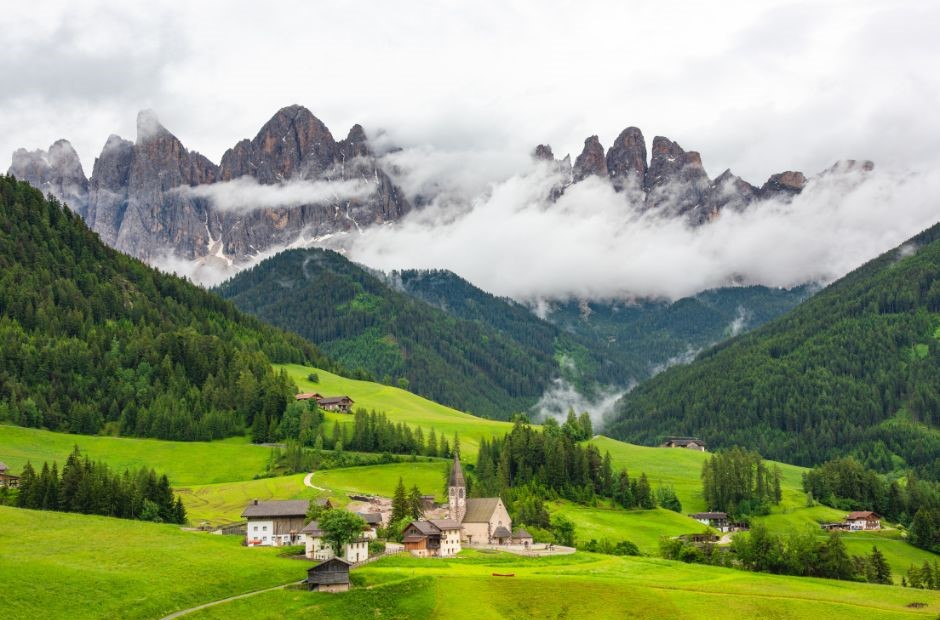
<point x="483" y="520"/>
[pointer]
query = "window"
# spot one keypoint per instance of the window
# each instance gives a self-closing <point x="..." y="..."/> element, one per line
<point x="264" y="528"/>
<point x="256" y="528"/>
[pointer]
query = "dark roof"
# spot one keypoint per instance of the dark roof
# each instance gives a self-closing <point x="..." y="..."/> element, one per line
<point x="521" y="533"/>
<point x="480" y="509"/>
<point x="501" y="532"/>
<point x="425" y="527"/>
<point x="413" y="538"/>
<point x="456" y="474"/>
<point x="312" y="528"/>
<point x="445" y="524"/>
<point x="277" y="508"/>
<point x="325" y="563"/>
<point x="709" y="515"/>
<point x="684" y="441"/>
<point x="862" y="514"/>
<point x="333" y="400"/>
<point x="372" y="518"/>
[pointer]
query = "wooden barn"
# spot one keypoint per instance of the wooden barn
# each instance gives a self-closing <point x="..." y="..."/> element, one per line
<point x="689" y="443"/>
<point x="329" y="576"/>
<point x="343" y="404"/>
<point x="7" y="479"/>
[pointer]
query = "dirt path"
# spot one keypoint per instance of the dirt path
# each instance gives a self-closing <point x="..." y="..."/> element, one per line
<point x="184" y="612"/>
<point x="308" y="481"/>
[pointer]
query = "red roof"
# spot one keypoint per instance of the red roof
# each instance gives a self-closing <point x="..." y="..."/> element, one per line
<point x="868" y="515"/>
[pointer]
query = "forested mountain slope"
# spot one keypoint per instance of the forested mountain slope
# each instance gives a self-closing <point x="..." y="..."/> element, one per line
<point x="387" y="335"/>
<point x="853" y="370"/>
<point x="92" y="340"/>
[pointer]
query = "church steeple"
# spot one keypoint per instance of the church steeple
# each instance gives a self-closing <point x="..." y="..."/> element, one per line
<point x="456" y="492"/>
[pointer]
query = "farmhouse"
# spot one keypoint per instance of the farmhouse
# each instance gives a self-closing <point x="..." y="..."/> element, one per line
<point x="717" y="520"/>
<point x="275" y="523"/>
<point x="331" y="575"/>
<point x="863" y="520"/>
<point x="432" y="538"/>
<point x="343" y="404"/>
<point x="318" y="548"/>
<point x="308" y="396"/>
<point x="483" y="520"/>
<point x="690" y="443"/>
<point x="7" y="479"/>
<point x="373" y="523"/>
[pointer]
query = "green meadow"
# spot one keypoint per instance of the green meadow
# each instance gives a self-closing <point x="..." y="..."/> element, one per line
<point x="579" y="586"/>
<point x="184" y="462"/>
<point x="402" y="406"/>
<point x="59" y="565"/>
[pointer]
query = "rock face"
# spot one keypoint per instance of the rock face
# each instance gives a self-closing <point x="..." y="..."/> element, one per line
<point x="673" y="181"/>
<point x="139" y="197"/>
<point x="57" y="171"/>
<point x="590" y="161"/>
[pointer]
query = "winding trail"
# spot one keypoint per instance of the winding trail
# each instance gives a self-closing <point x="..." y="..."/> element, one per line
<point x="308" y="481"/>
<point x="184" y="612"/>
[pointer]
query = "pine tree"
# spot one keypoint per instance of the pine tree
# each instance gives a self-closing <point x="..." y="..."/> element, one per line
<point x="415" y="503"/>
<point x="432" y="443"/>
<point x="400" y="506"/>
<point x="880" y="570"/>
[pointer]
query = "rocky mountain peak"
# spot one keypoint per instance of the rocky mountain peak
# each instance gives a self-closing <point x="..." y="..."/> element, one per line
<point x="591" y="161"/>
<point x="626" y="159"/>
<point x="57" y="171"/>
<point x="149" y="127"/>
<point x="783" y="184"/>
<point x="355" y="144"/>
<point x="543" y="152"/>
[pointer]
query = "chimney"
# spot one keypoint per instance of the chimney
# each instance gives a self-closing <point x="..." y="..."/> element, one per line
<point x="255" y="502"/>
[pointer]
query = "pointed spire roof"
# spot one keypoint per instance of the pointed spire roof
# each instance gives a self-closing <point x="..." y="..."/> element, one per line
<point x="456" y="474"/>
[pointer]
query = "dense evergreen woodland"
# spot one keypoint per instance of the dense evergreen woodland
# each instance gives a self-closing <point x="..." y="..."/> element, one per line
<point x="853" y="370"/>
<point x="92" y="488"/>
<point x="385" y="335"/>
<point x="92" y="340"/>
<point x="739" y="483"/>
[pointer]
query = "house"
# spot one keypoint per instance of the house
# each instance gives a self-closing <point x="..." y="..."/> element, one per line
<point x="717" y="520"/>
<point x="330" y="575"/>
<point x="7" y="479"/>
<point x="316" y="547"/>
<point x="432" y="538"/>
<point x="275" y="523"/>
<point x="521" y="537"/>
<point x="690" y="443"/>
<point x="373" y="523"/>
<point x="863" y="520"/>
<point x="308" y="396"/>
<point x="483" y="520"/>
<point x="343" y="404"/>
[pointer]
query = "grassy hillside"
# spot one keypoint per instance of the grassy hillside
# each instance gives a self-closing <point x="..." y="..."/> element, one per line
<point x="76" y="566"/>
<point x="368" y="325"/>
<point x="851" y="371"/>
<point x="401" y="406"/>
<point x="184" y="462"/>
<point x="581" y="586"/>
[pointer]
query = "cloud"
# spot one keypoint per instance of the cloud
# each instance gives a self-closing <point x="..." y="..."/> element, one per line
<point x="245" y="194"/>
<point x="561" y="396"/>
<point x="596" y="243"/>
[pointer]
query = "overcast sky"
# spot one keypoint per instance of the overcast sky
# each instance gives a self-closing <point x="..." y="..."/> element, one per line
<point x="756" y="86"/>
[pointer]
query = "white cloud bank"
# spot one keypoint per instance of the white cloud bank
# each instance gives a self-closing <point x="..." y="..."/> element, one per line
<point x="594" y="243"/>
<point x="245" y="194"/>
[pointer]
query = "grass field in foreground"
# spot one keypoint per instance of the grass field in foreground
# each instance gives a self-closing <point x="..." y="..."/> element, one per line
<point x="223" y="503"/>
<point x="580" y="586"/>
<point x="402" y="406"/>
<point x="56" y="565"/>
<point x="184" y="462"/>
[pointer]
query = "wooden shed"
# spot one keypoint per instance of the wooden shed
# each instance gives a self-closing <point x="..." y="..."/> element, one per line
<point x="329" y="576"/>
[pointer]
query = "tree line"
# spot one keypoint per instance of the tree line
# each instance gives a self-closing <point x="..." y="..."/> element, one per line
<point x="89" y="487"/>
<point x="738" y="482"/>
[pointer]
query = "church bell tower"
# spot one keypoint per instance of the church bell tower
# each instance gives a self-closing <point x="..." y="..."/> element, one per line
<point x="456" y="492"/>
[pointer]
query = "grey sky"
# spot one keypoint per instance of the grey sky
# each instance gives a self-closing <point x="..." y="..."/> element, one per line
<point x="755" y="86"/>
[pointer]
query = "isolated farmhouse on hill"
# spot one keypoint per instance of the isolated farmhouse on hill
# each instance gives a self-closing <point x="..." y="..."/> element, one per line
<point x="689" y="443"/>
<point x="343" y="404"/>
<point x="716" y="520"/>
<point x="863" y="520"/>
<point x="7" y="479"/>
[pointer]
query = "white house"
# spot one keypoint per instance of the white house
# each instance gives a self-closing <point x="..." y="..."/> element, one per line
<point x="317" y="548"/>
<point x="863" y="520"/>
<point x="275" y="523"/>
<point x="717" y="520"/>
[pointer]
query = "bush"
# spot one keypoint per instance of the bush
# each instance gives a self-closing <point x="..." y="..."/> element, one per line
<point x="376" y="547"/>
<point x="313" y="378"/>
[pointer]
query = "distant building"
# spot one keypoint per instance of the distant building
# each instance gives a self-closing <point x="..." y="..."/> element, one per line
<point x="7" y="479"/>
<point x="330" y="575"/>
<point x="521" y="537"/>
<point x="275" y="523"/>
<point x="316" y="547"/>
<point x="690" y="443"/>
<point x="863" y="520"/>
<point x="716" y="520"/>
<point x="343" y="404"/>
<point x="308" y="396"/>
<point x="834" y="527"/>
<point x="432" y="538"/>
<point x="373" y="523"/>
